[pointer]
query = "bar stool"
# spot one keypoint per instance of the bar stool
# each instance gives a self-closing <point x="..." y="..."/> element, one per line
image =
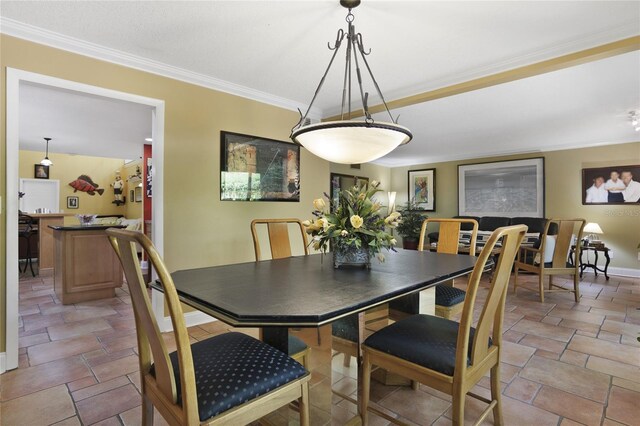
<point x="25" y="230"/>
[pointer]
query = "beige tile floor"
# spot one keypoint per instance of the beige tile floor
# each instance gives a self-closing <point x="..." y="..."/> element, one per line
<point x="563" y="364"/>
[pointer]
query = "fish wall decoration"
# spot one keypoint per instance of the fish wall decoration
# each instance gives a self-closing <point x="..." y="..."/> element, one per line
<point x="85" y="184"/>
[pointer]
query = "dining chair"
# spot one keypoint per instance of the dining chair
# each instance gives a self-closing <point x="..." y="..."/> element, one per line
<point x="449" y="300"/>
<point x="551" y="257"/>
<point x="26" y="230"/>
<point x="446" y="355"/>
<point x="280" y="248"/>
<point x="230" y="378"/>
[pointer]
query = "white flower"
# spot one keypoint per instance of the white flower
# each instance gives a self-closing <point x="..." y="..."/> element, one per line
<point x="344" y="233"/>
<point x="306" y="223"/>
<point x="374" y="183"/>
<point x="393" y="241"/>
<point x="380" y="257"/>
<point x="319" y="204"/>
<point x="356" y="221"/>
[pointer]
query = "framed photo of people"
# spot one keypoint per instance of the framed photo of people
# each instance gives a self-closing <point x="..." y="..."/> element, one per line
<point x="422" y="189"/>
<point x="513" y="188"/>
<point x="611" y="185"/>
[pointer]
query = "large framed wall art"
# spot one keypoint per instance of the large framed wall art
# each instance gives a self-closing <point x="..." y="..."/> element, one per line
<point x="503" y="188"/>
<point x="258" y="169"/>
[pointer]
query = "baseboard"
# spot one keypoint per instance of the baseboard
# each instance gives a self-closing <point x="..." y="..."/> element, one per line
<point x="623" y="272"/>
<point x="3" y="362"/>
<point x="190" y="318"/>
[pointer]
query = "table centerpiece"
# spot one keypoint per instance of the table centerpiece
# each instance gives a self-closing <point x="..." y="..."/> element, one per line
<point x="353" y="227"/>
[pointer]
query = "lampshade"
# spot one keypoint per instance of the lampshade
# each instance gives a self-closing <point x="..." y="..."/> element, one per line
<point x="392" y="201"/>
<point x="351" y="142"/>
<point x="592" y="228"/>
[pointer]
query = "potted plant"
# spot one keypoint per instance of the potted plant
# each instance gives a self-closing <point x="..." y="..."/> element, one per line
<point x="355" y="227"/>
<point x="410" y="225"/>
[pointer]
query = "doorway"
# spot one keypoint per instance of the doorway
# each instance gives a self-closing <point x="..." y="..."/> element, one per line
<point x="16" y="78"/>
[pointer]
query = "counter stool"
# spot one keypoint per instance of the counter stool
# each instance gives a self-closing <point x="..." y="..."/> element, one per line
<point x="25" y="230"/>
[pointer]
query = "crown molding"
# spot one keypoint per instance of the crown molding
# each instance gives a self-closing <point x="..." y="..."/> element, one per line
<point x="38" y="35"/>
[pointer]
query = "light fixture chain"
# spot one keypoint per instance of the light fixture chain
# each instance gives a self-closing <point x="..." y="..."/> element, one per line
<point x="336" y="47"/>
<point x="375" y="83"/>
<point x="364" y="98"/>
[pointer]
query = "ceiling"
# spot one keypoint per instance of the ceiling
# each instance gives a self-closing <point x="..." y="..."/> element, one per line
<point x="81" y="123"/>
<point x="276" y="51"/>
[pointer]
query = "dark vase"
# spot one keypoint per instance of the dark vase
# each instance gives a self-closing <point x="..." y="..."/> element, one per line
<point x="410" y="243"/>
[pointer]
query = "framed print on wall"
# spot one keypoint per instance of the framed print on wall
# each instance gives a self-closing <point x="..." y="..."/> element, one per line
<point x="73" y="202"/>
<point x="258" y="169"/>
<point x="512" y="188"/>
<point x="611" y="185"/>
<point x="422" y="189"/>
<point x="341" y="182"/>
<point x="40" y="171"/>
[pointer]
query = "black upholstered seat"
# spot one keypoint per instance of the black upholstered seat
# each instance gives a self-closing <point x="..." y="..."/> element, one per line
<point x="296" y="345"/>
<point x="448" y="296"/>
<point x="425" y="340"/>
<point x="233" y="368"/>
<point x="346" y="328"/>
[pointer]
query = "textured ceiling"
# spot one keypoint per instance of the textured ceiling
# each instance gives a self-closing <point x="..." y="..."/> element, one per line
<point x="279" y="49"/>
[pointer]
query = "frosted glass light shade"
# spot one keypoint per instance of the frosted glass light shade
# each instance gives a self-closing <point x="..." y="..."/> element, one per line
<point x="351" y="142"/>
<point x="592" y="228"/>
<point x="46" y="162"/>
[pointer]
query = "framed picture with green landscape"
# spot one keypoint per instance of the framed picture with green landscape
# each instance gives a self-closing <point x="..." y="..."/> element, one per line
<point x="258" y="169"/>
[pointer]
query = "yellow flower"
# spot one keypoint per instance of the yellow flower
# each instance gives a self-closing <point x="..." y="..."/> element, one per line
<point x="322" y="223"/>
<point x="306" y="223"/>
<point x="380" y="257"/>
<point x="393" y="241"/>
<point x="356" y="221"/>
<point x="319" y="204"/>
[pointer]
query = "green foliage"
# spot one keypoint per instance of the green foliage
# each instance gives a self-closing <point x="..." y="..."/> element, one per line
<point x="355" y="222"/>
<point x="411" y="223"/>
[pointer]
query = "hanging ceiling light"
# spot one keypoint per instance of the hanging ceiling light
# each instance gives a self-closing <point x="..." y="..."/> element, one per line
<point x="45" y="161"/>
<point x="349" y="141"/>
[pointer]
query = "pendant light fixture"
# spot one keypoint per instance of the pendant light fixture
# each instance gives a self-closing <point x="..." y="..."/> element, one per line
<point x="349" y="141"/>
<point x="45" y="161"/>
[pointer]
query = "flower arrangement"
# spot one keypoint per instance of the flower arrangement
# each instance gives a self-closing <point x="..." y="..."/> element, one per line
<point x="354" y="226"/>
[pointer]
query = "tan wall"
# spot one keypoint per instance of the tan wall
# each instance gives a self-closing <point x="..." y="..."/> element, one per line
<point x="66" y="168"/>
<point x="563" y="191"/>
<point x="199" y="229"/>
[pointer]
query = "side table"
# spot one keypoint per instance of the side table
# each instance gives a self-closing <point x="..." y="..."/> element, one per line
<point x="593" y="265"/>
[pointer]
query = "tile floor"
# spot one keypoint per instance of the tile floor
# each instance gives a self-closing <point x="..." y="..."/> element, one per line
<point x="563" y="364"/>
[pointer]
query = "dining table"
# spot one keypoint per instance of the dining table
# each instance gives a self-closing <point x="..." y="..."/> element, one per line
<point x="307" y="291"/>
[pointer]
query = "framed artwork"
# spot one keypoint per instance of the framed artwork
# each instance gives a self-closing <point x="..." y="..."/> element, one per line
<point x="340" y="182"/>
<point x="131" y="196"/>
<point x="611" y="185"/>
<point x="503" y="188"/>
<point x="73" y="202"/>
<point x="258" y="169"/>
<point x="40" y="171"/>
<point x="422" y="189"/>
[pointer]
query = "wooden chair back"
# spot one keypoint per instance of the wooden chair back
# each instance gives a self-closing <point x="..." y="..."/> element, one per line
<point x="492" y="314"/>
<point x="152" y="349"/>
<point x="278" y="232"/>
<point x="449" y="235"/>
<point x="566" y="230"/>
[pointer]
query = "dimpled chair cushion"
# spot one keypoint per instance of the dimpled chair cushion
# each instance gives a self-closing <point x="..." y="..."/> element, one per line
<point x="296" y="345"/>
<point x="422" y="339"/>
<point x="448" y="296"/>
<point x="233" y="368"/>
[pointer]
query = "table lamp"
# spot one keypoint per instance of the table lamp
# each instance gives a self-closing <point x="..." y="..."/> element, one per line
<point x="592" y="229"/>
<point x="392" y="201"/>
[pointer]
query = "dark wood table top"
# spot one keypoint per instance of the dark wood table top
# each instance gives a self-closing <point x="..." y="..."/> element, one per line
<point x="308" y="291"/>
